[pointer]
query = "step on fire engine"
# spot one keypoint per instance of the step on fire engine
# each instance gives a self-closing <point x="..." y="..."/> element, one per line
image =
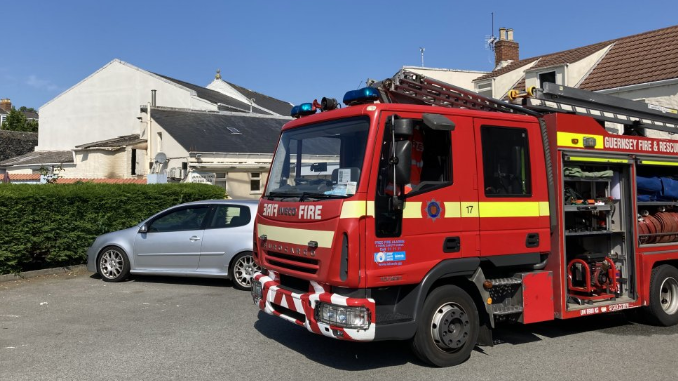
<point x="429" y="213"/>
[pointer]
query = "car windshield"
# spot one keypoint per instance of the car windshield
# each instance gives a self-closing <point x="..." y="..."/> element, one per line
<point x="319" y="161"/>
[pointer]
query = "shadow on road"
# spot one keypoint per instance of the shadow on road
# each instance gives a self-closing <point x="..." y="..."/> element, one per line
<point x="362" y="356"/>
<point x="343" y="355"/>
<point x="628" y="323"/>
<point x="194" y="281"/>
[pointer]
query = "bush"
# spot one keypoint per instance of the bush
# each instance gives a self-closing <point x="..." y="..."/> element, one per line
<point x="53" y="225"/>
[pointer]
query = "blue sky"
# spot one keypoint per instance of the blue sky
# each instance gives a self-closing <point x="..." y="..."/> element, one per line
<point x="292" y="50"/>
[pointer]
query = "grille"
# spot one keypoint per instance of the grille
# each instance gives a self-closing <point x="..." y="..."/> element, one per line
<point x="292" y="262"/>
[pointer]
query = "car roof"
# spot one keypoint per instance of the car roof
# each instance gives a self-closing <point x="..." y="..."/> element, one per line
<point x="224" y="202"/>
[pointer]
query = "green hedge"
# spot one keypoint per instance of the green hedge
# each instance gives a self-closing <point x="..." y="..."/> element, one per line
<point x="52" y="225"/>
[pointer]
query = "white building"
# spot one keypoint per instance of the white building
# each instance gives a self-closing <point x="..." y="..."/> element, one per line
<point x="99" y="129"/>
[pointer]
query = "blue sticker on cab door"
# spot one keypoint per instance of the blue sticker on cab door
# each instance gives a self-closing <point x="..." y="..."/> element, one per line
<point x="383" y="256"/>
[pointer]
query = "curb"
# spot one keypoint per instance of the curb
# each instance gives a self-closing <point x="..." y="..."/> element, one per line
<point x="35" y="273"/>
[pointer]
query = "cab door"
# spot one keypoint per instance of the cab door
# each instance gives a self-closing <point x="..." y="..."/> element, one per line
<point x="439" y="220"/>
<point x="512" y="196"/>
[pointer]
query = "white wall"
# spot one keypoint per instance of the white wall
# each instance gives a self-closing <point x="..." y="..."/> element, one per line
<point x="661" y="94"/>
<point x="461" y="78"/>
<point x="106" y="105"/>
<point x="94" y="164"/>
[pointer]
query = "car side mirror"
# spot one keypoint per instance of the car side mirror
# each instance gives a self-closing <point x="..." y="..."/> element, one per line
<point x="143" y="228"/>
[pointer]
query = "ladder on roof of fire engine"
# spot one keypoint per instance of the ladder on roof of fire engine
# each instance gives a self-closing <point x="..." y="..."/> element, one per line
<point x="408" y="87"/>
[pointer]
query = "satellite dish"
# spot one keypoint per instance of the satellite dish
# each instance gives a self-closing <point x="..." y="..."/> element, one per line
<point x="160" y="158"/>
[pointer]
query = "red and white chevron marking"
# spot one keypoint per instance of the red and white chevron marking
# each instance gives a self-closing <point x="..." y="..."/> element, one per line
<point x="306" y="303"/>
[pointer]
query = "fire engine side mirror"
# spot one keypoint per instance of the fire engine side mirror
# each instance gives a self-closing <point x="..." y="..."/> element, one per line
<point x="438" y="122"/>
<point x="403" y="161"/>
<point x="403" y="128"/>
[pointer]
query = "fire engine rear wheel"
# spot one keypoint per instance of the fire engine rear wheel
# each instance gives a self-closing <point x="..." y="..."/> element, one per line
<point x="448" y="329"/>
<point x="663" y="309"/>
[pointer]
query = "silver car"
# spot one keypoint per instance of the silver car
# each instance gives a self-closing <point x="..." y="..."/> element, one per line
<point x="203" y="239"/>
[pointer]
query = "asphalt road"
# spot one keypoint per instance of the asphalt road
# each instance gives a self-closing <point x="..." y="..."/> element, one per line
<point x="75" y="327"/>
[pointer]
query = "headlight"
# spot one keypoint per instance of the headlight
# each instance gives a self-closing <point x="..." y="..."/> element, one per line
<point x="256" y="291"/>
<point x="342" y="316"/>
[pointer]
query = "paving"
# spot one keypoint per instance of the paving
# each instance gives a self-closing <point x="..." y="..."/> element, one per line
<point x="72" y="326"/>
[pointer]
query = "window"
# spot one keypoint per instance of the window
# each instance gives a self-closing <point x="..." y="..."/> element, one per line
<point x="230" y="216"/>
<point x="506" y="162"/>
<point x="431" y="162"/>
<point x="484" y="89"/>
<point x="255" y="182"/>
<point x="549" y="77"/>
<point x="221" y="180"/>
<point x="182" y="219"/>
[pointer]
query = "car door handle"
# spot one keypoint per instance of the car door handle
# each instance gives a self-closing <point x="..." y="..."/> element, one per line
<point x="194" y="238"/>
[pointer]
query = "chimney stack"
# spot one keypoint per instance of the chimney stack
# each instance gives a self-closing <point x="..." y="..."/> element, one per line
<point x="6" y="104"/>
<point x="153" y="104"/>
<point x="505" y="49"/>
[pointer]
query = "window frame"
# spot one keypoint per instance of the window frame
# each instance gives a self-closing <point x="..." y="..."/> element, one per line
<point x="528" y="165"/>
<point x="179" y="209"/>
<point x="210" y="224"/>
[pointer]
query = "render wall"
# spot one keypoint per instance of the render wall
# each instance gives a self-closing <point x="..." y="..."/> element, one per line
<point x="106" y="105"/>
<point x="239" y="185"/>
<point x="94" y="164"/>
<point x="459" y="78"/>
<point x="662" y="95"/>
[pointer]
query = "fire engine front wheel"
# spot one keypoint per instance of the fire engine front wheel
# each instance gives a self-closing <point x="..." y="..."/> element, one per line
<point x="663" y="309"/>
<point x="448" y="329"/>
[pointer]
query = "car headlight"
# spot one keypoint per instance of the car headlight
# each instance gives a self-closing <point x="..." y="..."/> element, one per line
<point x="343" y="316"/>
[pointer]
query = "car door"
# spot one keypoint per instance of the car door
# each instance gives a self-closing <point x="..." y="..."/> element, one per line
<point x="173" y="240"/>
<point x="228" y="233"/>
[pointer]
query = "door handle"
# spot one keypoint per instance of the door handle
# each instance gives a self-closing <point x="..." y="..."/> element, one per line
<point x="452" y="245"/>
<point x="532" y="240"/>
<point x="194" y="238"/>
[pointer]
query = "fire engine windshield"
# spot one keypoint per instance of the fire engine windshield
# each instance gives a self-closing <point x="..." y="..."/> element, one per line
<point x="319" y="161"/>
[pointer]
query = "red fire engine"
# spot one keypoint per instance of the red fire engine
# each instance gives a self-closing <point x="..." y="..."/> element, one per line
<point x="522" y="211"/>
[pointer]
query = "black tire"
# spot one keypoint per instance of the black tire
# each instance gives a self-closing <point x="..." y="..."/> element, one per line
<point x="663" y="308"/>
<point x="113" y="264"/>
<point x="242" y="270"/>
<point x="448" y="327"/>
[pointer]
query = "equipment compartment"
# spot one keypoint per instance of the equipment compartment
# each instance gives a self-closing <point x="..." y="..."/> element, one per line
<point x="597" y="265"/>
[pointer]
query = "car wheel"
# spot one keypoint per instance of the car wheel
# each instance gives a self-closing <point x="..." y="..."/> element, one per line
<point x="242" y="270"/>
<point x="448" y="327"/>
<point x="663" y="308"/>
<point x="113" y="264"/>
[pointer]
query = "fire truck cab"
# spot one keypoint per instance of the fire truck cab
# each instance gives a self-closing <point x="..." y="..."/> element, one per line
<point x="427" y="213"/>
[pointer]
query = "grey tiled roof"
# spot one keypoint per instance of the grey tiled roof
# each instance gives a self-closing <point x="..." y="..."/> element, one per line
<point x="40" y="157"/>
<point x="214" y="132"/>
<point x="225" y="102"/>
<point x="115" y="143"/>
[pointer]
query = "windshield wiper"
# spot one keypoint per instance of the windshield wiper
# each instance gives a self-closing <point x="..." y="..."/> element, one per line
<point x="318" y="195"/>
<point x="282" y="194"/>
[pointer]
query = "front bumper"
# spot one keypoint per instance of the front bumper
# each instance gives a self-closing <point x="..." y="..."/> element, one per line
<point x="300" y="308"/>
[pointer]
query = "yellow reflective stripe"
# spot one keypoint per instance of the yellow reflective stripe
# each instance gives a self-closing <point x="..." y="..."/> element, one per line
<point x="544" y="208"/>
<point x="597" y="159"/>
<point x="509" y="209"/>
<point x="452" y="209"/>
<point x="296" y="236"/>
<point x="565" y="140"/>
<point x="469" y="209"/>
<point x="412" y="210"/>
<point x="370" y="208"/>
<point x="353" y="209"/>
<point x="653" y="162"/>
<point x="358" y="209"/>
